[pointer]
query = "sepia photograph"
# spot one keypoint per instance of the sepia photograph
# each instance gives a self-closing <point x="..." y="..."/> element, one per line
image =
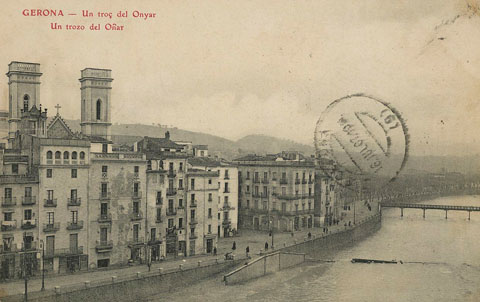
<point x="255" y="150"/>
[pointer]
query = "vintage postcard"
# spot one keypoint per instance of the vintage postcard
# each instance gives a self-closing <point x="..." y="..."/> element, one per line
<point x="256" y="150"/>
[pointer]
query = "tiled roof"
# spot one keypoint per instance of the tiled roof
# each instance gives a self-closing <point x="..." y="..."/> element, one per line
<point x="158" y="143"/>
<point x="204" y="161"/>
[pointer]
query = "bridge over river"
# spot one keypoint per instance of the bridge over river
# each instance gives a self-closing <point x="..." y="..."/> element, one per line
<point x="425" y="207"/>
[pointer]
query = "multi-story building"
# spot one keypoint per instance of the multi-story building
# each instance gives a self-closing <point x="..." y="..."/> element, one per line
<point x="67" y="194"/>
<point x="276" y="192"/>
<point x="227" y="215"/>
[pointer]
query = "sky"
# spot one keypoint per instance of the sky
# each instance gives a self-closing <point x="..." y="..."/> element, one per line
<point x="234" y="68"/>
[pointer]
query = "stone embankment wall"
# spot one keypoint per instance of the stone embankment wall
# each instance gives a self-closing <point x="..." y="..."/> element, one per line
<point x="327" y="245"/>
<point x="138" y="289"/>
<point x="262" y="266"/>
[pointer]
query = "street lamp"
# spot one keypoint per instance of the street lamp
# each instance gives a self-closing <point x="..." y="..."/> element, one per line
<point x="43" y="264"/>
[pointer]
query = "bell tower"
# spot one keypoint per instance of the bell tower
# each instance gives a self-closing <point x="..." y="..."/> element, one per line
<point x="96" y="87"/>
<point x="23" y="92"/>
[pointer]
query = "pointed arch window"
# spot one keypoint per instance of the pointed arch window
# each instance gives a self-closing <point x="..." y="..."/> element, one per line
<point x="99" y="109"/>
<point x="26" y="100"/>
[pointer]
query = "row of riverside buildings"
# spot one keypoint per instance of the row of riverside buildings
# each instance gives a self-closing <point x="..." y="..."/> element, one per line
<point x="70" y="201"/>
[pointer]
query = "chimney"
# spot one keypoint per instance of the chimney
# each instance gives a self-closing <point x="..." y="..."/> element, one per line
<point x="167" y="135"/>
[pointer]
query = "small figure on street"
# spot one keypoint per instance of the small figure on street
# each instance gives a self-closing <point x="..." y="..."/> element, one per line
<point x="234" y="246"/>
<point x="247" y="250"/>
<point x="266" y="246"/>
<point x="349" y="223"/>
<point x="309" y="235"/>
<point x="215" y="251"/>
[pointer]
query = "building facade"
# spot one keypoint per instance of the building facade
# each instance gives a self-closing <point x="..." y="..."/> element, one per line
<point x="276" y="192"/>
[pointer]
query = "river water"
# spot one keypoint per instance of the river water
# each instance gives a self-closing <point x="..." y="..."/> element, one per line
<point x="449" y="248"/>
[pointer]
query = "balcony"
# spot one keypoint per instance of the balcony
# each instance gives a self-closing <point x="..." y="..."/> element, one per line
<point x="158" y="220"/>
<point x="171" y="212"/>
<point x="77" y="225"/>
<point x="193" y="204"/>
<point x="256" y="180"/>
<point x="9" y="225"/>
<point x="9" y="201"/>
<point x="51" y="227"/>
<point x="78" y="250"/>
<point x="159" y="201"/>
<point x="288" y="197"/>
<point x="227" y="222"/>
<point x="154" y="241"/>
<point x="274" y="179"/>
<point x="28" y="224"/>
<point x="136" y="242"/>
<point x="227" y="177"/>
<point x="135" y="175"/>
<point x="193" y="221"/>
<point x="171" y="191"/>
<point x="29" y="200"/>
<point x="297" y="181"/>
<point x="74" y="202"/>
<point x="103" y="246"/>
<point x="256" y="195"/>
<point x="172" y="173"/>
<point x="181" y="207"/>
<point x="283" y="181"/>
<point x="193" y="236"/>
<point x="227" y="207"/>
<point x="310" y="181"/>
<point x="181" y="188"/>
<point x="105" y="218"/>
<point x="50" y="203"/>
<point x="265" y="181"/>
<point x="104" y="195"/>
<point x="304" y="181"/>
<point x="227" y="190"/>
<point x="137" y="195"/>
<point x="136" y="216"/>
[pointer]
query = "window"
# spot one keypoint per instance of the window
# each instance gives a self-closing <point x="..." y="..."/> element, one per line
<point x="8" y="193"/>
<point x="274" y="205"/>
<point x="226" y="173"/>
<point x="218" y="216"/>
<point x="256" y="204"/>
<point x="136" y="169"/>
<point x="73" y="194"/>
<point x="49" y="173"/>
<point x="58" y="155"/>
<point x="104" y="189"/>
<point x="66" y="155"/>
<point x="26" y="98"/>
<point x="192" y="214"/>
<point x="135" y="232"/>
<point x="7" y="216"/>
<point x="170" y="166"/>
<point x="103" y="209"/>
<point x="265" y="175"/>
<point x="180" y="203"/>
<point x="226" y="188"/>
<point x="27" y="214"/>
<point x="192" y="198"/>
<point x="284" y="191"/>
<point x="14" y="168"/>
<point x="50" y="195"/>
<point x="136" y="187"/>
<point x="192" y="184"/>
<point x="170" y="204"/>
<point x="149" y="165"/>
<point x="180" y="167"/>
<point x="180" y="223"/>
<point x="248" y="188"/>
<point x="159" y="214"/>
<point x="225" y="199"/>
<point x="136" y="207"/>
<point x="209" y="228"/>
<point x="248" y="175"/>
<point x="74" y="173"/>
<point x="170" y="223"/>
<point x="248" y="204"/>
<point x="74" y="216"/>
<point x="50" y="155"/>
<point x="209" y="181"/>
<point x="74" y="155"/>
<point x="104" y="148"/>
<point x="180" y="183"/>
<point x="209" y="212"/>
<point x="209" y="196"/>
<point x="50" y="217"/>
<point x="82" y="155"/>
<point x="103" y="235"/>
<point x="159" y="197"/>
<point x="99" y="109"/>
<point x="153" y="234"/>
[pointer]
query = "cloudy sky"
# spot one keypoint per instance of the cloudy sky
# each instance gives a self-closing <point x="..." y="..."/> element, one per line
<point x="233" y="68"/>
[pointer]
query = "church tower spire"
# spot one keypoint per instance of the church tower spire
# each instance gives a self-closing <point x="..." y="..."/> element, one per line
<point x="96" y="87"/>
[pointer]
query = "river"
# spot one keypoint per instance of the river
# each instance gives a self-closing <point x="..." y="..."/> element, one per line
<point x="449" y="247"/>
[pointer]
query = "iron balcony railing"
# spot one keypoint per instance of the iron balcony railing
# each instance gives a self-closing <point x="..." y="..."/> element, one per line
<point x="159" y="201"/>
<point x="9" y="201"/>
<point x="193" y="204"/>
<point x="78" y="250"/>
<point x="29" y="200"/>
<point x="75" y="225"/>
<point x="171" y="212"/>
<point x="227" y="222"/>
<point x="304" y="181"/>
<point x="227" y="177"/>
<point x="297" y="181"/>
<point x="227" y="190"/>
<point x="193" y="221"/>
<point x="105" y="218"/>
<point x="104" y="195"/>
<point x="283" y="181"/>
<point x="172" y="173"/>
<point x="265" y="181"/>
<point x="51" y="227"/>
<point x="103" y="245"/>
<point x="29" y="224"/>
<point x="136" y="216"/>
<point x="136" y="241"/>
<point x="9" y="225"/>
<point x="171" y="191"/>
<point x="193" y="235"/>
<point x="73" y="202"/>
<point x="49" y="203"/>
<point x="137" y="195"/>
<point x="256" y="180"/>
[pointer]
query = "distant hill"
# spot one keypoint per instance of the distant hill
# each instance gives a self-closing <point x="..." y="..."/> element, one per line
<point x="263" y="144"/>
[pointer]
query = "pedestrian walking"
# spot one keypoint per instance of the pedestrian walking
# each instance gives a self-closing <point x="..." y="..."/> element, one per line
<point x="215" y="251"/>
<point x="266" y="246"/>
<point x="309" y="235"/>
<point x="247" y="250"/>
<point x="234" y="246"/>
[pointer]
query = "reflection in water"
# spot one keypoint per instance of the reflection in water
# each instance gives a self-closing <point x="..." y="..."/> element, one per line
<point x="449" y="248"/>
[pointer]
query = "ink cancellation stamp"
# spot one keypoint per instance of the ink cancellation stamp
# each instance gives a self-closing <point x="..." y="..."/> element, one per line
<point x="364" y="136"/>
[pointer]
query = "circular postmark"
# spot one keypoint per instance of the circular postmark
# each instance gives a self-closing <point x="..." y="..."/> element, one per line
<point x="362" y="136"/>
